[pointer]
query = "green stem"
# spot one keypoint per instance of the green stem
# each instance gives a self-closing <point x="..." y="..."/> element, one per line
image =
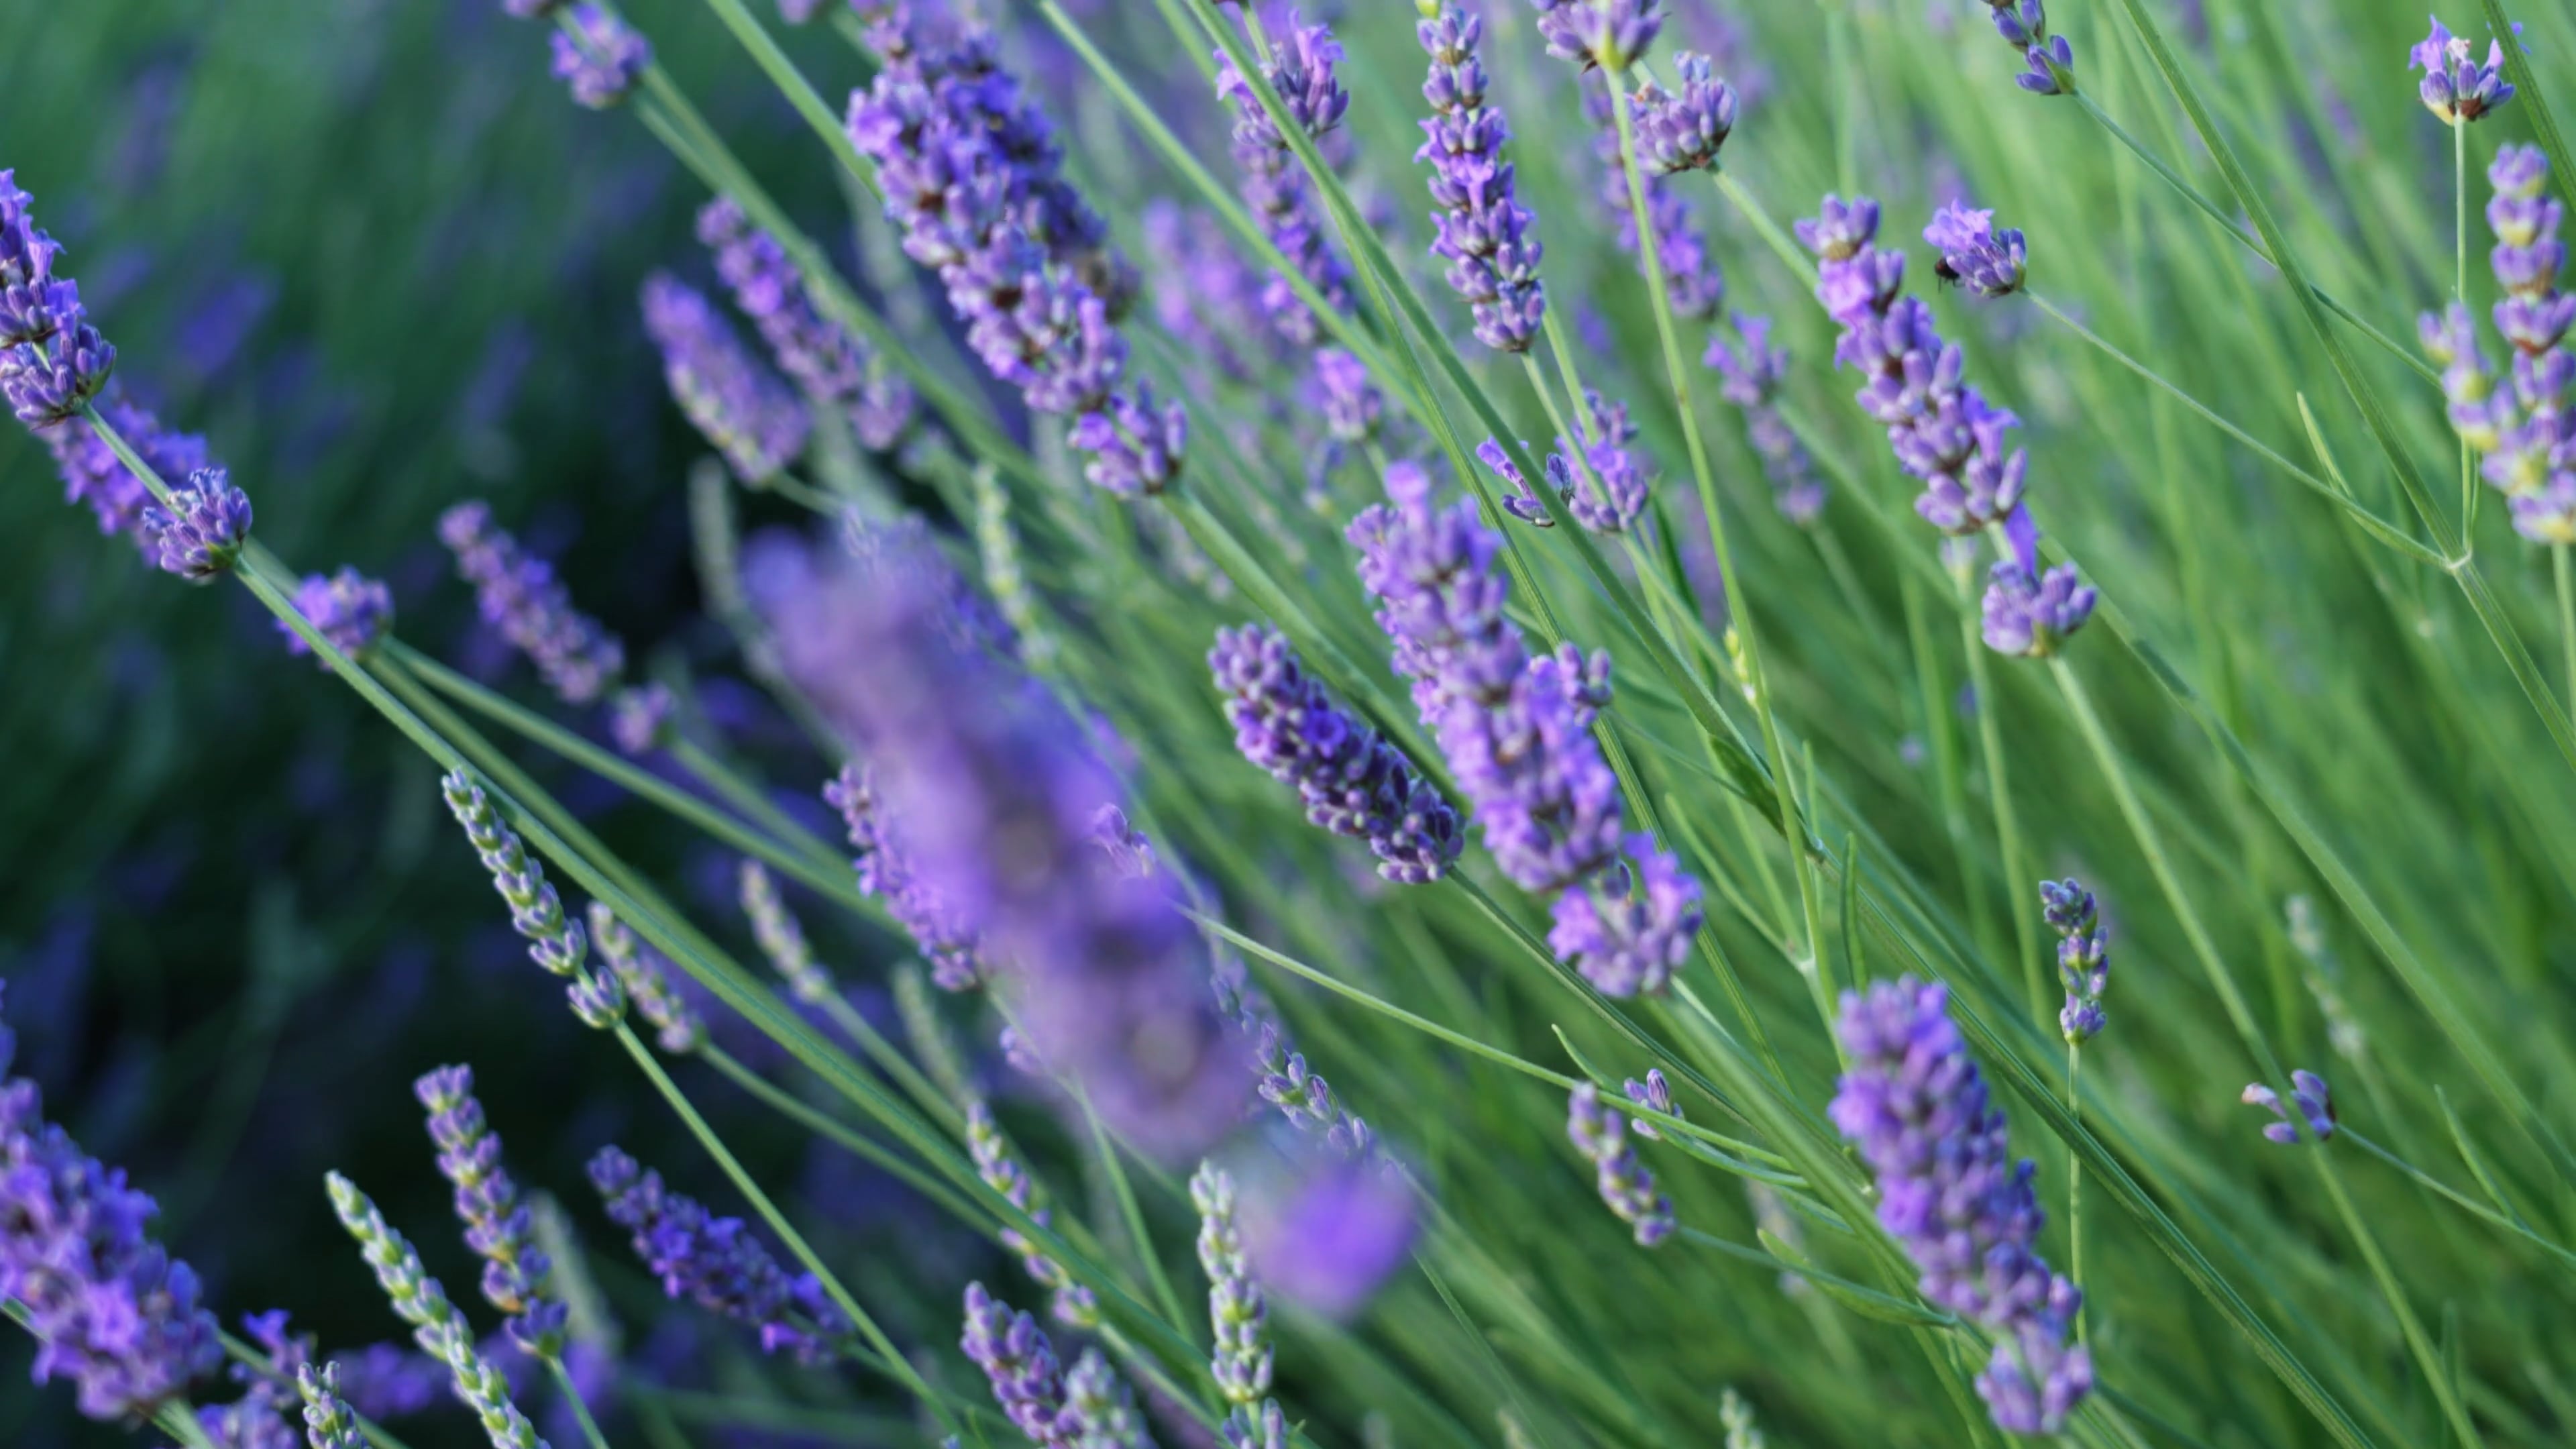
<point x="1139" y="1236"/>
<point x="2460" y="294"/>
<point x="580" y="1409"/>
<point x="2474" y="1207"/>
<point x="2566" y="615"/>
<point x="799" y="92"/>
<point x="746" y="796"/>
<point x="1990" y="740"/>
<point x="2075" y="1189"/>
<point x="2427" y="1358"/>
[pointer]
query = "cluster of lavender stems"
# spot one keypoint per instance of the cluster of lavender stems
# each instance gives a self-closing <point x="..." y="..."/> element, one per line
<point x="1941" y="428"/>
<point x="1488" y="238"/>
<point x="1750" y="372"/>
<point x="1627" y="1188"/>
<point x="1516" y="731"/>
<point x="744" y="411"/>
<point x="1088" y="1408"/>
<point x="2525" y="432"/>
<point x="646" y="979"/>
<point x="1915" y="1105"/>
<point x="2456" y="87"/>
<point x="110" y="1309"/>
<point x="716" y="1262"/>
<point x="1352" y="780"/>
<point x="834" y="367"/>
<point x="1071" y="1302"/>
<point x="971" y="200"/>
<point x="520" y="596"/>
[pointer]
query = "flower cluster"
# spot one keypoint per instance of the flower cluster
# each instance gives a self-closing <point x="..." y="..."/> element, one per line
<point x="419" y="1301"/>
<point x="328" y="1423"/>
<point x="826" y="359"/>
<point x="1693" y="281"/>
<point x="1684" y="129"/>
<point x="93" y="475"/>
<point x="599" y="57"/>
<point x="2456" y="87"/>
<point x="1627" y="1188"/>
<point x="1941" y="428"/>
<point x="2309" y="1094"/>
<point x="520" y="596"/>
<point x="1089" y="1408"/>
<point x="2049" y="62"/>
<point x="642" y="972"/>
<point x="1598" y="479"/>
<point x="1301" y="73"/>
<point x="497" y="1225"/>
<point x="1750" y="371"/>
<point x="947" y="940"/>
<point x="716" y="1262"/>
<point x="1489" y="239"/>
<point x="1352" y="780"/>
<point x="1608" y="35"/>
<point x="1974" y="255"/>
<point x="996" y="797"/>
<point x="108" y="1307"/>
<point x="1516" y="731"/>
<point x="347" y="608"/>
<point x="1915" y="1104"/>
<point x="751" y="419"/>
<point x="202" y="532"/>
<point x="2083" y="956"/>
<point x="555" y="942"/>
<point x="52" y="361"/>
<point x="1073" y="1303"/>
<point x="972" y="203"/>
<point x="1238" y="1314"/>
<point x="2528" y="434"/>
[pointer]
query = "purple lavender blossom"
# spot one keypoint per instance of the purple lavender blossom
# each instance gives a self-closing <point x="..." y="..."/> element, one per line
<point x="1605" y="492"/>
<point x="328" y="1421"/>
<point x="95" y="476"/>
<point x="645" y="974"/>
<point x="599" y="56"/>
<point x="2048" y="60"/>
<point x="1073" y="1303"/>
<point x="1327" y="1235"/>
<point x="639" y="718"/>
<point x="1915" y="1104"/>
<point x="48" y="382"/>
<point x="1352" y="780"/>
<point x="1654" y="1094"/>
<point x="2029" y="612"/>
<point x="347" y="608"/>
<point x="946" y="939"/>
<point x="497" y="1225"/>
<point x="1099" y="1409"/>
<point x="996" y="802"/>
<point x="833" y="365"/>
<point x="2083" y="956"/>
<point x="1238" y="1313"/>
<point x="202" y="531"/>
<point x="2525" y="433"/>
<point x="781" y="937"/>
<point x="740" y="408"/>
<point x="964" y="193"/>
<point x="1627" y="1188"/>
<point x="2308" y="1093"/>
<point x="1020" y="1364"/>
<point x="536" y="912"/>
<point x="716" y="1262"/>
<point x="34" y="303"/>
<point x="256" y="1420"/>
<point x="520" y="595"/>
<point x="109" y="1308"/>
<point x="1606" y="34"/>
<point x="1631" y="928"/>
<point x="1301" y="71"/>
<point x="2457" y="88"/>
<point x="1692" y="278"/>
<point x="1353" y="408"/>
<point x="1485" y="233"/>
<point x="1684" y="130"/>
<point x="1750" y="372"/>
<point x="1987" y="262"/>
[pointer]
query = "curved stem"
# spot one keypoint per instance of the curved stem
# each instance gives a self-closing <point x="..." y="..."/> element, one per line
<point x="572" y="1395"/>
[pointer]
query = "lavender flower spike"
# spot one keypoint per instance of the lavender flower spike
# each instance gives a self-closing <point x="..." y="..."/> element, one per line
<point x="328" y="1424"/>
<point x="2083" y="956"/>
<point x="641" y="970"/>
<point x="347" y="608"/>
<point x="1916" y="1106"/>
<point x="742" y="410"/>
<point x="1352" y="780"/>
<point x="2028" y="612"/>
<point x="2457" y="88"/>
<point x="1987" y="262"/>
<point x="716" y="1262"/>
<point x="781" y="937"/>
<point x="1238" y="1314"/>
<point x="1750" y="372"/>
<point x="831" y="364"/>
<point x="2049" y="59"/>
<point x="1099" y="1408"/>
<point x="1607" y="34"/>
<point x="497" y="1224"/>
<point x="947" y="939"/>
<point x="1485" y="233"/>
<point x="536" y="912"/>
<point x="95" y="476"/>
<point x="1274" y="184"/>
<point x="200" y="535"/>
<point x="2308" y="1093"/>
<point x="599" y="56"/>
<point x="1020" y="1364"/>
<point x="109" y="1308"/>
<point x="1683" y="130"/>
<point x="520" y="596"/>
<point x="1074" y="1304"/>
<point x="441" y="1330"/>
<point x="1692" y="278"/>
<point x="1627" y="1188"/>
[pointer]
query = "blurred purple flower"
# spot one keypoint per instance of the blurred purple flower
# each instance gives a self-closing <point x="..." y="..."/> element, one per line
<point x="1329" y="1233"/>
<point x="599" y="56"/>
<point x="1627" y="1188"/>
<point x="349" y="609"/>
<point x="832" y="364"/>
<point x="1301" y="72"/>
<point x="2309" y="1094"/>
<point x="520" y="595"/>
<point x="739" y="407"/>
<point x="716" y="1262"/>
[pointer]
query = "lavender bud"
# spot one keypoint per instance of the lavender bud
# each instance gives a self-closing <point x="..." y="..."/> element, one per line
<point x="1627" y="1188"/>
<point x="1655" y="1094"/>
<point x="1020" y="1364"/>
<point x="2309" y="1094"/>
<point x="640" y="972"/>
<point x="716" y="1262"/>
<point x="497" y="1225"/>
<point x="1683" y="131"/>
<point x="599" y="56"/>
<point x="1074" y="1304"/>
<point x="2029" y="613"/>
<point x="2083" y="956"/>
<point x="2456" y="87"/>
<point x="328" y="1424"/>
<point x="347" y="608"/>
<point x="781" y="938"/>
<point x="639" y="718"/>
<point x="536" y="912"/>
<point x="1987" y="262"/>
<point x="1238" y="1314"/>
<point x="202" y="532"/>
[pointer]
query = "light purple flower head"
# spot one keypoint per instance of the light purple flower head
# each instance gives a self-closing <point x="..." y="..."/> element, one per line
<point x="498" y="1226"/>
<point x="600" y="57"/>
<point x="1327" y="1233"/>
<point x="52" y="361"/>
<point x="829" y="361"/>
<point x="1626" y="1187"/>
<point x="2047" y="59"/>
<point x="744" y="411"/>
<point x="2309" y="1094"/>
<point x="1683" y="130"/>
<point x="1987" y="262"/>
<point x="1275" y="185"/>
<point x="1486" y="235"/>
<point x="2083" y="956"/>
<point x="2456" y="87"/>
<point x="347" y="608"/>
<point x="520" y="596"/>
<point x="202" y="532"/>
<point x="2028" y="612"/>
<point x="1631" y="927"/>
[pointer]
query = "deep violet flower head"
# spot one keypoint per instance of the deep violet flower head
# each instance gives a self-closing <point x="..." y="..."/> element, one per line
<point x="2309" y="1094"/>
<point x="1326" y="1232"/>
<point x="1606" y="34"/>
<point x="2083" y="956"/>
<point x="1073" y="1303"/>
<point x="739" y="407"/>
<point x="109" y="1308"/>
<point x="599" y="56"/>
<point x="2048" y="60"/>
<point x="1089" y="1408"/>
<point x="2032" y="612"/>
<point x="1683" y="130"/>
<point x="520" y="596"/>
<point x="946" y="939"/>
<point x="645" y="975"/>
<point x="52" y="361"/>
<point x="328" y="1422"/>
<point x="1486" y="235"/>
<point x="640" y="717"/>
<point x="1352" y="780"/>
<point x="443" y="1332"/>
<point x="1238" y="1312"/>
<point x="996" y="795"/>
<point x="825" y="358"/>
<point x="1750" y="371"/>
<point x="1627" y="1187"/>
<point x="781" y="936"/>
<point x="1974" y="254"/>
<point x="1275" y="186"/>
<point x="93" y="475"/>
<point x="1915" y="1105"/>
<point x="2456" y="87"/>
<point x="966" y="189"/>
<point x="716" y="1262"/>
<point x="202" y="532"/>
<point x="347" y="608"/>
<point x="498" y="1226"/>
